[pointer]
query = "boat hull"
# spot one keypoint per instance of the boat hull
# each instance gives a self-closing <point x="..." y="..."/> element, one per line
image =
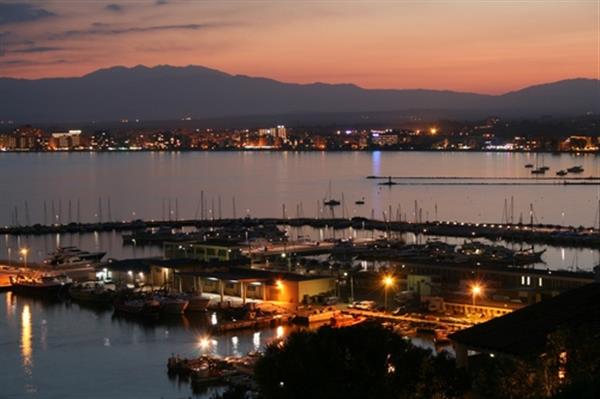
<point x="197" y="304"/>
<point x="173" y="307"/>
<point x="145" y="310"/>
<point x="100" y="298"/>
<point x="48" y="291"/>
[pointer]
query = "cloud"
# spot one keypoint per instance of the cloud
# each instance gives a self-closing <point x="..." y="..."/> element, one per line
<point x="114" y="7"/>
<point x="26" y="62"/>
<point x="11" y="13"/>
<point x="105" y="30"/>
<point x="37" y="49"/>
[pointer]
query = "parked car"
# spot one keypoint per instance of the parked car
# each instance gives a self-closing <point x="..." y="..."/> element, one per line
<point x="331" y="300"/>
<point x="365" y="305"/>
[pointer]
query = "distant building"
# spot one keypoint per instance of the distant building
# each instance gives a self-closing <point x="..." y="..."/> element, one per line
<point x="8" y="142"/>
<point x="579" y="143"/>
<point x="384" y="138"/>
<point x="279" y="131"/>
<point x="66" y="140"/>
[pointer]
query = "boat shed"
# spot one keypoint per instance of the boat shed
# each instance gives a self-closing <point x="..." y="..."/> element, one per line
<point x="260" y="284"/>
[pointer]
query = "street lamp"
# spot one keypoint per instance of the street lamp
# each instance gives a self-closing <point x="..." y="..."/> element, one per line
<point x="24" y="252"/>
<point x="388" y="281"/>
<point x="476" y="290"/>
<point x="351" y="299"/>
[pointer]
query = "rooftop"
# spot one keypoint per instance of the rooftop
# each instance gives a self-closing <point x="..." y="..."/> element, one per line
<point x="240" y="273"/>
<point x="525" y="331"/>
<point x="144" y="264"/>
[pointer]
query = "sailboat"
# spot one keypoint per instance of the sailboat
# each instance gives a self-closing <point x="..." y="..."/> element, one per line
<point x="541" y="169"/>
<point x="330" y="201"/>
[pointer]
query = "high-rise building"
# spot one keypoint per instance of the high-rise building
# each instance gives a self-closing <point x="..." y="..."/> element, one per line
<point x="66" y="140"/>
<point x="276" y="132"/>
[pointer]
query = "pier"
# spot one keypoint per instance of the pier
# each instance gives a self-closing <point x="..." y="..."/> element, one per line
<point x="586" y="237"/>
<point x="485" y="181"/>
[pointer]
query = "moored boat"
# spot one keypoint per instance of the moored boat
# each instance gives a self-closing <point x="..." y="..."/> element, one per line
<point x="94" y="292"/>
<point x="140" y="307"/>
<point x="45" y="285"/>
<point x="575" y="169"/>
<point x="197" y="303"/>
<point x="172" y="305"/>
<point x="72" y="256"/>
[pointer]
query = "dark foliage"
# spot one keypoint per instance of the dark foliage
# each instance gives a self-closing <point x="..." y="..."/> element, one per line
<point x="365" y="361"/>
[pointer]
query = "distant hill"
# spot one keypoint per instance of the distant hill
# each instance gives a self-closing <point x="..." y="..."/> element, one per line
<point x="167" y="93"/>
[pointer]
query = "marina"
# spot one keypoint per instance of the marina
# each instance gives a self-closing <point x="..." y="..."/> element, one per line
<point x="583" y="236"/>
<point x="218" y="283"/>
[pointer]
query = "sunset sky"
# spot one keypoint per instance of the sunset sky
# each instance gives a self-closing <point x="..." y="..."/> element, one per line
<point x="469" y="45"/>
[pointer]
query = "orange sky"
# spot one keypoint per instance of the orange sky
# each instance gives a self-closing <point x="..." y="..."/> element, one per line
<point x="470" y="45"/>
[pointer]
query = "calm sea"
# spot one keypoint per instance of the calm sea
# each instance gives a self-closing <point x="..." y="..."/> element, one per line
<point x="122" y="186"/>
<point x="62" y="350"/>
<point x="147" y="185"/>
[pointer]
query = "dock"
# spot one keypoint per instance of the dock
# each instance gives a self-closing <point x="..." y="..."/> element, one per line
<point x="586" y="237"/>
<point x="254" y="324"/>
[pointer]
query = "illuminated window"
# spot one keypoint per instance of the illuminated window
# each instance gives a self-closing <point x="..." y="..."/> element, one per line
<point x="562" y="363"/>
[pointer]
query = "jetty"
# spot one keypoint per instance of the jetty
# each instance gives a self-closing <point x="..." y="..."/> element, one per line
<point x="587" y="237"/>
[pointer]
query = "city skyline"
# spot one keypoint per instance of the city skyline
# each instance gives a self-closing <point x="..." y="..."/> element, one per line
<point x="436" y="45"/>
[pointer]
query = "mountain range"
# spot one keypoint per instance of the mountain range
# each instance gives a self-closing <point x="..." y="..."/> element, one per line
<point x="172" y="93"/>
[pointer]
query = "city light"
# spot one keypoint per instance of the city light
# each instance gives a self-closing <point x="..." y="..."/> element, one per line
<point x="476" y="290"/>
<point x="204" y="342"/>
<point x="388" y="281"/>
<point x="24" y="252"/>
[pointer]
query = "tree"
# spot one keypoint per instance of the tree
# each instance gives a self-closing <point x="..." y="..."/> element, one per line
<point x="364" y="361"/>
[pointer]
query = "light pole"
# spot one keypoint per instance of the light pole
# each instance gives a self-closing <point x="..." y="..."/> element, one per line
<point x="24" y="252"/>
<point x="388" y="281"/>
<point x="351" y="299"/>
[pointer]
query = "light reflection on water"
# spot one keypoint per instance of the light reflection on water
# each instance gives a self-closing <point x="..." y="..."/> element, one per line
<point x="103" y="355"/>
<point x="27" y="348"/>
<point x="106" y="355"/>
<point x="262" y="182"/>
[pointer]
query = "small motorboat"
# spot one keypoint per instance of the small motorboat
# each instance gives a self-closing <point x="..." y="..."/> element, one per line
<point x="529" y="165"/>
<point x="561" y="173"/>
<point x="575" y="169"/>
<point x="538" y="171"/>
<point x="360" y="201"/>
